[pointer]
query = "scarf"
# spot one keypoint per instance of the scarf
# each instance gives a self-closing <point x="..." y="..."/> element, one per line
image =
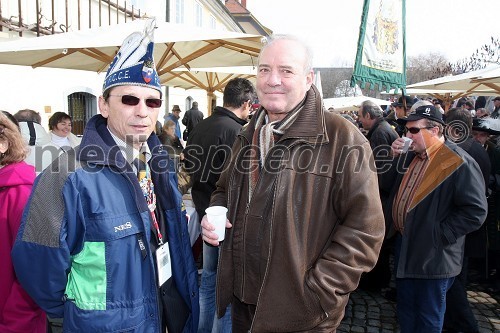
<point x="264" y="137"/>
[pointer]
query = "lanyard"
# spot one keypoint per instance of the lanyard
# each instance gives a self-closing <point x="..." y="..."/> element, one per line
<point x="147" y="188"/>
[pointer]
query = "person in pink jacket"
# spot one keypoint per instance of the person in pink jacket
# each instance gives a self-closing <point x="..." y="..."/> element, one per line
<point x="18" y="312"/>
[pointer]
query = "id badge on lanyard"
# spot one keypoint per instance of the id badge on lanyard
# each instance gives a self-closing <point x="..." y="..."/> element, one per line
<point x="163" y="266"/>
<point x="163" y="262"/>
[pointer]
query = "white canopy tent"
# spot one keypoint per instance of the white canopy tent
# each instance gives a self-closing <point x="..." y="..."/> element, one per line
<point x="176" y="46"/>
<point x="351" y="103"/>
<point x="482" y="82"/>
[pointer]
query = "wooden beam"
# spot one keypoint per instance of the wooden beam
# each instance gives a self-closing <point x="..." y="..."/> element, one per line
<point x="53" y="58"/>
<point x="192" y="56"/>
<point x="96" y="54"/>
<point x="493" y="86"/>
<point x="166" y="56"/>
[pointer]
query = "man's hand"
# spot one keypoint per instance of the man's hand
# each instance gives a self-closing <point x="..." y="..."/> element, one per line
<point x="397" y="147"/>
<point x="207" y="231"/>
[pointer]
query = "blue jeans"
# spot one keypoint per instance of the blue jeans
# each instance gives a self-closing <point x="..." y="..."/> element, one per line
<point x="208" y="318"/>
<point x="421" y="303"/>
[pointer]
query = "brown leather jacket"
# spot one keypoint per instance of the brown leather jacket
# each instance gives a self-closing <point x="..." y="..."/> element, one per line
<point x="314" y="223"/>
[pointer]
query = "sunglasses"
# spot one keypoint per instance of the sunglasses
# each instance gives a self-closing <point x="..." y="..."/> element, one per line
<point x="132" y="101"/>
<point x="415" y="130"/>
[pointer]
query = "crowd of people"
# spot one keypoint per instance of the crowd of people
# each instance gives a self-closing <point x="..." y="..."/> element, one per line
<point x="315" y="206"/>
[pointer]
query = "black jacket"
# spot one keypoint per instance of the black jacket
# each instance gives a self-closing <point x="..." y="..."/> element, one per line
<point x="173" y="146"/>
<point x="381" y="136"/>
<point x="209" y="146"/>
<point x="450" y="203"/>
<point x="476" y="241"/>
<point x="191" y="118"/>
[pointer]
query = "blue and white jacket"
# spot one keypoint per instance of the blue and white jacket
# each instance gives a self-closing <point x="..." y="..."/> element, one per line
<point x="77" y="252"/>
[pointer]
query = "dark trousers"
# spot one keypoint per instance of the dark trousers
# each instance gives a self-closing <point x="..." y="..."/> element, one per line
<point x="459" y="316"/>
<point x="380" y="276"/>
<point x="242" y="315"/>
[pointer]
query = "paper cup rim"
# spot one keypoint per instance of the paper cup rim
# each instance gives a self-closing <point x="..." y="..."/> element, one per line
<point x="216" y="210"/>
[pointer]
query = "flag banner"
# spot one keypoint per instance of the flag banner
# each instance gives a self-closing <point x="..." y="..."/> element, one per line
<point x="381" y="54"/>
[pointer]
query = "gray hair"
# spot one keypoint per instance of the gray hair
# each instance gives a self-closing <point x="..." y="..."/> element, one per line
<point x="28" y="115"/>
<point x="266" y="41"/>
<point x="372" y="109"/>
<point x="484" y="110"/>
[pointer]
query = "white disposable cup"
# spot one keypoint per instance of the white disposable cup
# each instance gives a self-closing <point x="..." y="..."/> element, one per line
<point x="216" y="215"/>
<point x="407" y="144"/>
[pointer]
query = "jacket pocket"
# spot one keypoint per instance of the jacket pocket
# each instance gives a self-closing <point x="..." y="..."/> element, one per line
<point x="110" y="268"/>
<point x="111" y="285"/>
<point x="108" y="228"/>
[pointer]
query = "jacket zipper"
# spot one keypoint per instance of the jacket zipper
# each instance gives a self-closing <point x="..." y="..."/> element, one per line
<point x="270" y="238"/>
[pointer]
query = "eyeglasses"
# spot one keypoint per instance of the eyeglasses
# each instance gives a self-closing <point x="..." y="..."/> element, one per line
<point x="415" y="130"/>
<point x="132" y="100"/>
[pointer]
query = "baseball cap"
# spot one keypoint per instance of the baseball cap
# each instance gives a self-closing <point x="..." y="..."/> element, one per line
<point x="425" y="112"/>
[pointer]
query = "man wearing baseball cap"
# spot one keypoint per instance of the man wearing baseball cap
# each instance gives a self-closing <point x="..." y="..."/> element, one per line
<point x="438" y="197"/>
<point x="104" y="242"/>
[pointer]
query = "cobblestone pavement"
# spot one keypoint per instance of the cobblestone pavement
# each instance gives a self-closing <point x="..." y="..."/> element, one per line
<point x="370" y="312"/>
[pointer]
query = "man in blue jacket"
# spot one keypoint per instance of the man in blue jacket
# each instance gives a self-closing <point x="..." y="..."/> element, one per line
<point x="98" y="246"/>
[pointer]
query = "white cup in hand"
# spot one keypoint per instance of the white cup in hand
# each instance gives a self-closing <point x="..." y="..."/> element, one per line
<point x="216" y="215"/>
<point x="407" y="144"/>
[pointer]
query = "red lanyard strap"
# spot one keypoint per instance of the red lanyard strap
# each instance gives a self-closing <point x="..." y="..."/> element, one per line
<point x="147" y="188"/>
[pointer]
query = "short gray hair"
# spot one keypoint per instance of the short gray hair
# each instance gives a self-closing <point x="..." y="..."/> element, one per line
<point x="266" y="41"/>
<point x="369" y="107"/>
<point x="485" y="111"/>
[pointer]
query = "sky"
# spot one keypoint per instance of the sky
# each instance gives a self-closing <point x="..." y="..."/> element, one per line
<point x="453" y="28"/>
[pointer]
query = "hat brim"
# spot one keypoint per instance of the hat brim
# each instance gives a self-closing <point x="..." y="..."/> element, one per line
<point x="415" y="117"/>
<point x="487" y="130"/>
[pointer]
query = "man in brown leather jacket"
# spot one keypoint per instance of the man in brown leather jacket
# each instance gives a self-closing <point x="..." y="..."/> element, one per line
<point x="304" y="214"/>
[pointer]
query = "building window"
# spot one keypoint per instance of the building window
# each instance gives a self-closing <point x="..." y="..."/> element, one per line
<point x="81" y="107"/>
<point x="179" y="11"/>
<point x="213" y="22"/>
<point x="198" y="15"/>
